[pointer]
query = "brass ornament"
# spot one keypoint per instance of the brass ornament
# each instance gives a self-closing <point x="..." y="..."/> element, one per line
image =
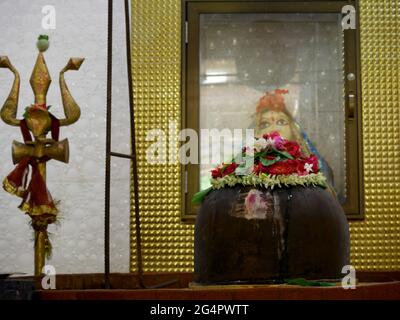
<point x="34" y="153"/>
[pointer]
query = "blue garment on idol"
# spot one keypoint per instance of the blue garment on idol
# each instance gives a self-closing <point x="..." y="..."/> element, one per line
<point x="324" y="167"/>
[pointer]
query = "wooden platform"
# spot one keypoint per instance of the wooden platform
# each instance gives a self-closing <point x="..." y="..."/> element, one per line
<point x="371" y="285"/>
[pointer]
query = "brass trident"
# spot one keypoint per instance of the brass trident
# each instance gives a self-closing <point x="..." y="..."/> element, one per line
<point x="37" y="201"/>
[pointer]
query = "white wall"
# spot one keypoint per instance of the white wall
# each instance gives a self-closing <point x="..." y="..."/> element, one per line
<point x="81" y="31"/>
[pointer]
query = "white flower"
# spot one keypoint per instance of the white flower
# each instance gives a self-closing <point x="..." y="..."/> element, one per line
<point x="270" y="142"/>
<point x="308" y="167"/>
<point x="260" y="144"/>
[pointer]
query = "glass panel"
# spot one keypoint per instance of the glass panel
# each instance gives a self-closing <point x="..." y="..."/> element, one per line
<point x="243" y="56"/>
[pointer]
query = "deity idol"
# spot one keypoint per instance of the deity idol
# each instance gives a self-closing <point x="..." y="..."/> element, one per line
<point x="272" y="115"/>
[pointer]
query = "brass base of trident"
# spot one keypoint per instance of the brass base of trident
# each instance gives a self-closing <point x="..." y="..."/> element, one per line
<point x="40" y="233"/>
<point x="40" y="252"/>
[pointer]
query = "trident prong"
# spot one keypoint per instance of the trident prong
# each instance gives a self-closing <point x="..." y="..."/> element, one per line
<point x="71" y="108"/>
<point x="9" y="110"/>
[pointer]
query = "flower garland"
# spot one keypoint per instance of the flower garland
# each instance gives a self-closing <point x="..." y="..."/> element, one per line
<point x="275" y="162"/>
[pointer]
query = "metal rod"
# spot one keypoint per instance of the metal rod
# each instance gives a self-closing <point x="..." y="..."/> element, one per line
<point x="139" y="259"/>
<point x="122" y="155"/>
<point x="108" y="150"/>
<point x="40" y="235"/>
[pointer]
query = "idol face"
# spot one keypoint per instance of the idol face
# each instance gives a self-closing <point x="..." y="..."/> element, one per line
<point x="270" y="121"/>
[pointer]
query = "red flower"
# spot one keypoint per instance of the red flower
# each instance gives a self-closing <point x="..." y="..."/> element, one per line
<point x="258" y="168"/>
<point x="301" y="171"/>
<point x="230" y="169"/>
<point x="307" y="165"/>
<point x="216" y="173"/>
<point x="313" y="160"/>
<point x="273" y="135"/>
<point x="283" y="167"/>
<point x="293" y="148"/>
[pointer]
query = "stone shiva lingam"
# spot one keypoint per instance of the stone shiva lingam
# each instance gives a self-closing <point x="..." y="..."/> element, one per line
<point x="275" y="220"/>
<point x="35" y="152"/>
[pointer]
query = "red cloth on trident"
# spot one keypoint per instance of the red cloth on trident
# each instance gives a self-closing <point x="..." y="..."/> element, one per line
<point x="36" y="199"/>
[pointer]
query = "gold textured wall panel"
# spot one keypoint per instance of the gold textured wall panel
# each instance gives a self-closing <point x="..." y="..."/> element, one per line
<point x="156" y="59"/>
<point x="167" y="244"/>
<point x="375" y="242"/>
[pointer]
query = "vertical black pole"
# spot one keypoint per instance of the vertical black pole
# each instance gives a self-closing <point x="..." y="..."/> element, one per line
<point x="108" y="150"/>
<point x="133" y="149"/>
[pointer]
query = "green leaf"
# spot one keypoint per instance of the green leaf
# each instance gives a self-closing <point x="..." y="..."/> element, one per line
<point x="266" y="162"/>
<point x="199" y="196"/>
<point x="43" y="36"/>
<point x="26" y="113"/>
<point x="260" y="154"/>
<point x="308" y="283"/>
<point x="283" y="153"/>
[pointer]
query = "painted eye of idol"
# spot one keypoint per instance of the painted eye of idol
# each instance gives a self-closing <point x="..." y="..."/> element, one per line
<point x="264" y="124"/>
<point x="282" y="122"/>
<point x="273" y="119"/>
<point x="278" y="121"/>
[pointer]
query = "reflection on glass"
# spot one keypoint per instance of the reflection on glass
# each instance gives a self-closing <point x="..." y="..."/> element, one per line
<point x="242" y="56"/>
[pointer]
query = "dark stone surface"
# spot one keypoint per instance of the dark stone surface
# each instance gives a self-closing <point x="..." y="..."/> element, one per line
<point x="303" y="233"/>
<point x="16" y="289"/>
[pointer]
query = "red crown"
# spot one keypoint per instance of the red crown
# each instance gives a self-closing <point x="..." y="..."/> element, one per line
<point x="272" y="101"/>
